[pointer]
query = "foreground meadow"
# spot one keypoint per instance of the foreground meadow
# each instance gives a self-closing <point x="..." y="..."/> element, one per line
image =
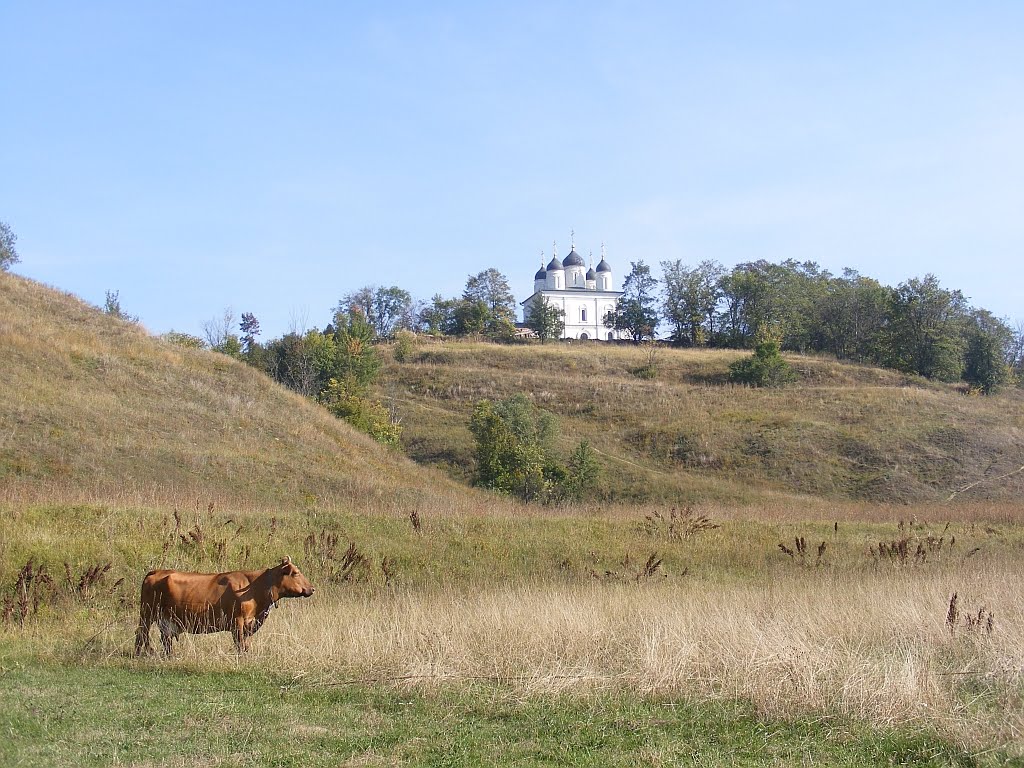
<point x="617" y="636"/>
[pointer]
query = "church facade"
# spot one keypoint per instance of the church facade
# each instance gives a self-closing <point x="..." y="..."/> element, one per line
<point x="584" y="295"/>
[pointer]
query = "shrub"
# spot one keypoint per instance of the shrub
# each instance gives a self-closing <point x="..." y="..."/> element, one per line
<point x="582" y="473"/>
<point x="513" y="442"/>
<point x="765" y="368"/>
<point x="184" y="340"/>
<point x="366" y="415"/>
<point x="404" y="343"/>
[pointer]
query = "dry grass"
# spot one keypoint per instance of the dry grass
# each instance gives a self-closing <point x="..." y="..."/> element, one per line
<point x="95" y="409"/>
<point x="875" y="647"/>
<point x="844" y="431"/>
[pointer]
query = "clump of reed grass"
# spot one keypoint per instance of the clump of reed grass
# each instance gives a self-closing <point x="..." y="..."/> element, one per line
<point x="973" y="622"/>
<point x="678" y="524"/>
<point x="198" y="542"/>
<point x="630" y="571"/>
<point x="90" y="578"/>
<point x="32" y="588"/>
<point x="349" y="566"/>
<point x="799" y="551"/>
<point x="914" y="549"/>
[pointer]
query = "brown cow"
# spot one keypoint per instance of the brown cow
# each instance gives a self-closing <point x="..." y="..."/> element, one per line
<point x="237" y="602"/>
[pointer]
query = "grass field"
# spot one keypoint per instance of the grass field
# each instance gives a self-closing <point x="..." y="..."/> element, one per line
<point x="512" y="627"/>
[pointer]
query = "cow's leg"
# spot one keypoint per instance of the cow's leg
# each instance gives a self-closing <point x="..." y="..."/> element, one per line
<point x="168" y="633"/>
<point x="142" y="633"/>
<point x="241" y="633"/>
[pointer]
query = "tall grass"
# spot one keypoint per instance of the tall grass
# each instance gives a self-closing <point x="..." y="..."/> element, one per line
<point x="875" y="647"/>
<point x="570" y="604"/>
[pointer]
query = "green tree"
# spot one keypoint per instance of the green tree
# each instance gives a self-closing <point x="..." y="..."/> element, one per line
<point x="635" y="311"/>
<point x="690" y="300"/>
<point x="469" y="317"/>
<point x="356" y="362"/>
<point x="988" y="345"/>
<point x="8" y="253"/>
<point x="765" y="368"/>
<point x="1015" y="355"/>
<point x="780" y="300"/>
<point x="250" y="328"/>
<point x="545" y="319"/>
<point x="301" y="362"/>
<point x="851" y="317"/>
<point x="924" y="330"/>
<point x="491" y="288"/>
<point x="582" y="473"/>
<point x="385" y="309"/>
<point x="437" y="316"/>
<point x="513" y="444"/>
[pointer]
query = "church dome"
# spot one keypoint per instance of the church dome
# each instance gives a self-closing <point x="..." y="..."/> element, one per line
<point x="541" y="274"/>
<point x="574" y="260"/>
<point x="604" y="266"/>
<point x="591" y="274"/>
<point x="554" y="264"/>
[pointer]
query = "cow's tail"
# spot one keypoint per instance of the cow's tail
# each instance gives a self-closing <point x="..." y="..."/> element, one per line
<point x="147" y="615"/>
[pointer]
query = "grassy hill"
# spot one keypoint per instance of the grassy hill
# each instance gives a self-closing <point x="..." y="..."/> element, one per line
<point x="95" y="408"/>
<point x="843" y="431"/>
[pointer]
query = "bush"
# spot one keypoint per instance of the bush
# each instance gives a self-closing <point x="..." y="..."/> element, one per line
<point x="184" y="340"/>
<point x="514" y="455"/>
<point x="366" y="415"/>
<point x="404" y="343"/>
<point x="513" y="442"/>
<point x="765" y="368"/>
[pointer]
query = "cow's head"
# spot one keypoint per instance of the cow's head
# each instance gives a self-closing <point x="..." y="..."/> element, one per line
<point x="291" y="582"/>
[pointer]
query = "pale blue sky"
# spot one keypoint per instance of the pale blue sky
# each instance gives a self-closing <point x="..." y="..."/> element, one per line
<point x="275" y="156"/>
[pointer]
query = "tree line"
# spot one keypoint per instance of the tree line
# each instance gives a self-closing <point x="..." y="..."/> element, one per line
<point x="918" y="327"/>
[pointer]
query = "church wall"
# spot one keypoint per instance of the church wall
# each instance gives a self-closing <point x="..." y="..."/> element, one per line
<point x="574" y="306"/>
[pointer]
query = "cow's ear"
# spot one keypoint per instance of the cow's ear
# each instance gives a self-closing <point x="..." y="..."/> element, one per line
<point x="287" y="560"/>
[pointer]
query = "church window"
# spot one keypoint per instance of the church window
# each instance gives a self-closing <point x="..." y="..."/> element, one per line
<point x="583" y="314"/>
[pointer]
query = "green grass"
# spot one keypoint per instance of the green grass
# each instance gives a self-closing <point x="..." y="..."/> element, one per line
<point x="100" y="716"/>
<point x="466" y="551"/>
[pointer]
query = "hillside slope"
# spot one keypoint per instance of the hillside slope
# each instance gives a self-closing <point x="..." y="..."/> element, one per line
<point x="843" y="432"/>
<point x="93" y="408"/>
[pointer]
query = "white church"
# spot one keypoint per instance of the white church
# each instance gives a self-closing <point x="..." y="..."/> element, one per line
<point x="584" y="295"/>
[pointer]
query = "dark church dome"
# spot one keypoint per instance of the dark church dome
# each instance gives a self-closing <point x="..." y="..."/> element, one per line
<point x="574" y="260"/>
